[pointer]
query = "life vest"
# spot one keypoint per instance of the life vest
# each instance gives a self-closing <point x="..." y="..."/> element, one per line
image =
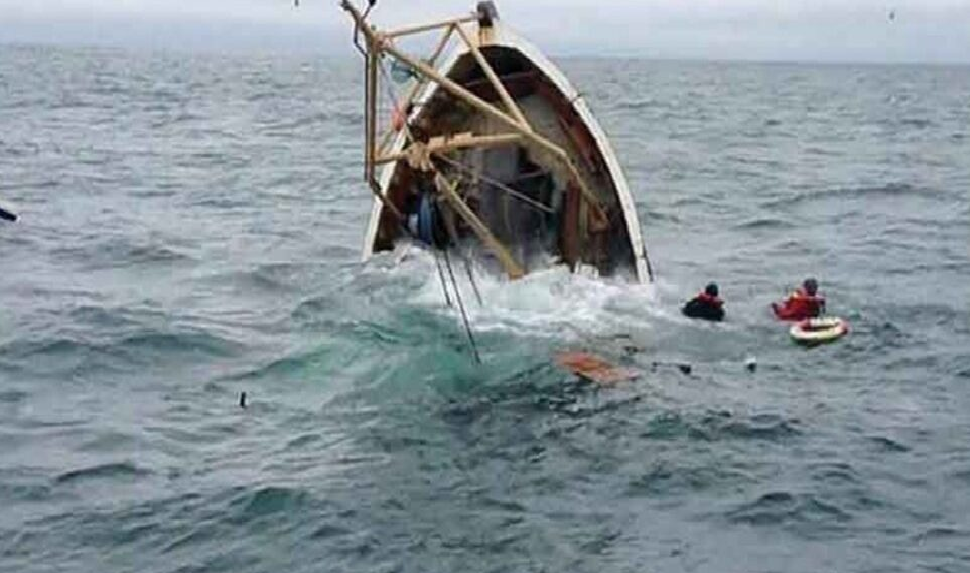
<point x="711" y="300"/>
<point x="704" y="306"/>
<point x="800" y="306"/>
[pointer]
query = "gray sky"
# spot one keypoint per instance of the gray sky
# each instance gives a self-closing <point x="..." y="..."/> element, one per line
<point x="817" y="30"/>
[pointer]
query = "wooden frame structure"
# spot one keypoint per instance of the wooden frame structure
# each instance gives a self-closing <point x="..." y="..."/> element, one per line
<point x="421" y="156"/>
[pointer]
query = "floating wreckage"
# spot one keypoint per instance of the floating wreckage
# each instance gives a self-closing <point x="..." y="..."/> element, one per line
<point x="489" y="152"/>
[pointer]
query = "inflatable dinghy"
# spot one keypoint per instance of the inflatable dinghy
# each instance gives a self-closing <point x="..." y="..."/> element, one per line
<point x="815" y="331"/>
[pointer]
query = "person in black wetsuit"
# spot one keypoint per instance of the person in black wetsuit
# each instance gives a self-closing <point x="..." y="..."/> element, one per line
<point x="706" y="305"/>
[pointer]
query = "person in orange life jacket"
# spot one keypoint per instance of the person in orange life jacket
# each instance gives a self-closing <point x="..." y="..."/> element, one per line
<point x="802" y="304"/>
<point x="706" y="306"/>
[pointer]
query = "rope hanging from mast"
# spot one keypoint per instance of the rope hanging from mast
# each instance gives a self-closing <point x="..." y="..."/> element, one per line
<point x="461" y="308"/>
<point x="449" y="222"/>
<point x="346" y="5"/>
<point x="441" y="277"/>
<point x="497" y="184"/>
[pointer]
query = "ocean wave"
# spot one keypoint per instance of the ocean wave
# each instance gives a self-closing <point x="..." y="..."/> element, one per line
<point x="272" y="277"/>
<point x="786" y="508"/>
<point x="723" y="425"/>
<point x="654" y="215"/>
<point x="286" y="367"/>
<point x="916" y="122"/>
<point x="668" y="477"/>
<point x="287" y="127"/>
<point x="330" y="531"/>
<point x="888" y="190"/>
<point x="533" y="305"/>
<point x="109" y="471"/>
<point x="763" y="223"/>
<point x="24" y="492"/>
<point x="107" y="317"/>
<point x="942" y="532"/>
<point x="178" y="343"/>
<point x="24" y="349"/>
<point x="226" y="203"/>
<point x="117" y="252"/>
<point x="835" y="474"/>
<point x="13" y="396"/>
<point x="637" y="105"/>
<point x="77" y="355"/>
<point x="266" y="501"/>
<point x="717" y="425"/>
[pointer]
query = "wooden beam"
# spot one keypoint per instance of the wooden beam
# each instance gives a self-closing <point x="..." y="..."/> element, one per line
<point x="444" y="145"/>
<point x="410" y="30"/>
<point x="510" y="104"/>
<point x="518" y="84"/>
<point x="512" y="268"/>
<point x="367" y="118"/>
<point x="376" y="189"/>
<point x="569" y="231"/>
<point x="371" y="123"/>
<point x="476" y="102"/>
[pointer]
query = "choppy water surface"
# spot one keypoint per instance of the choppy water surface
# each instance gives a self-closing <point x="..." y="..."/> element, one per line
<point x="191" y="228"/>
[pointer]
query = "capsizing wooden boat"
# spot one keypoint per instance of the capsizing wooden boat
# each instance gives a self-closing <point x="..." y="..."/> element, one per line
<point x="492" y="150"/>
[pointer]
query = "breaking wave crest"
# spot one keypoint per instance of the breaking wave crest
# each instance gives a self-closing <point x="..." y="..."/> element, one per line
<point x="549" y="303"/>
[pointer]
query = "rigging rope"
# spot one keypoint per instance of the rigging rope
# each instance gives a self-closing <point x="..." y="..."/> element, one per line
<point x="453" y="235"/>
<point x="501" y="186"/>
<point x="461" y="307"/>
<point x="395" y="102"/>
<point x="441" y="276"/>
<point x="471" y="279"/>
<point x="454" y="283"/>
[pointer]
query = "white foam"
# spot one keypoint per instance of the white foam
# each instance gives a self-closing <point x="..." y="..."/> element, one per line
<point x="550" y="303"/>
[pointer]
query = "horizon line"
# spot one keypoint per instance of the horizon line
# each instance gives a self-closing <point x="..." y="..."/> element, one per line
<point x="330" y="53"/>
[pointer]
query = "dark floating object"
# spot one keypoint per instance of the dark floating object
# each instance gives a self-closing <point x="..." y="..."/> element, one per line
<point x="632" y="349"/>
<point x="892" y="15"/>
<point x="685" y="369"/>
<point x="242" y="400"/>
<point x="7" y="215"/>
<point x="751" y="364"/>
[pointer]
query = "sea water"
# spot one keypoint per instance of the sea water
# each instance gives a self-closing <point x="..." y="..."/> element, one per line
<point x="191" y="228"/>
